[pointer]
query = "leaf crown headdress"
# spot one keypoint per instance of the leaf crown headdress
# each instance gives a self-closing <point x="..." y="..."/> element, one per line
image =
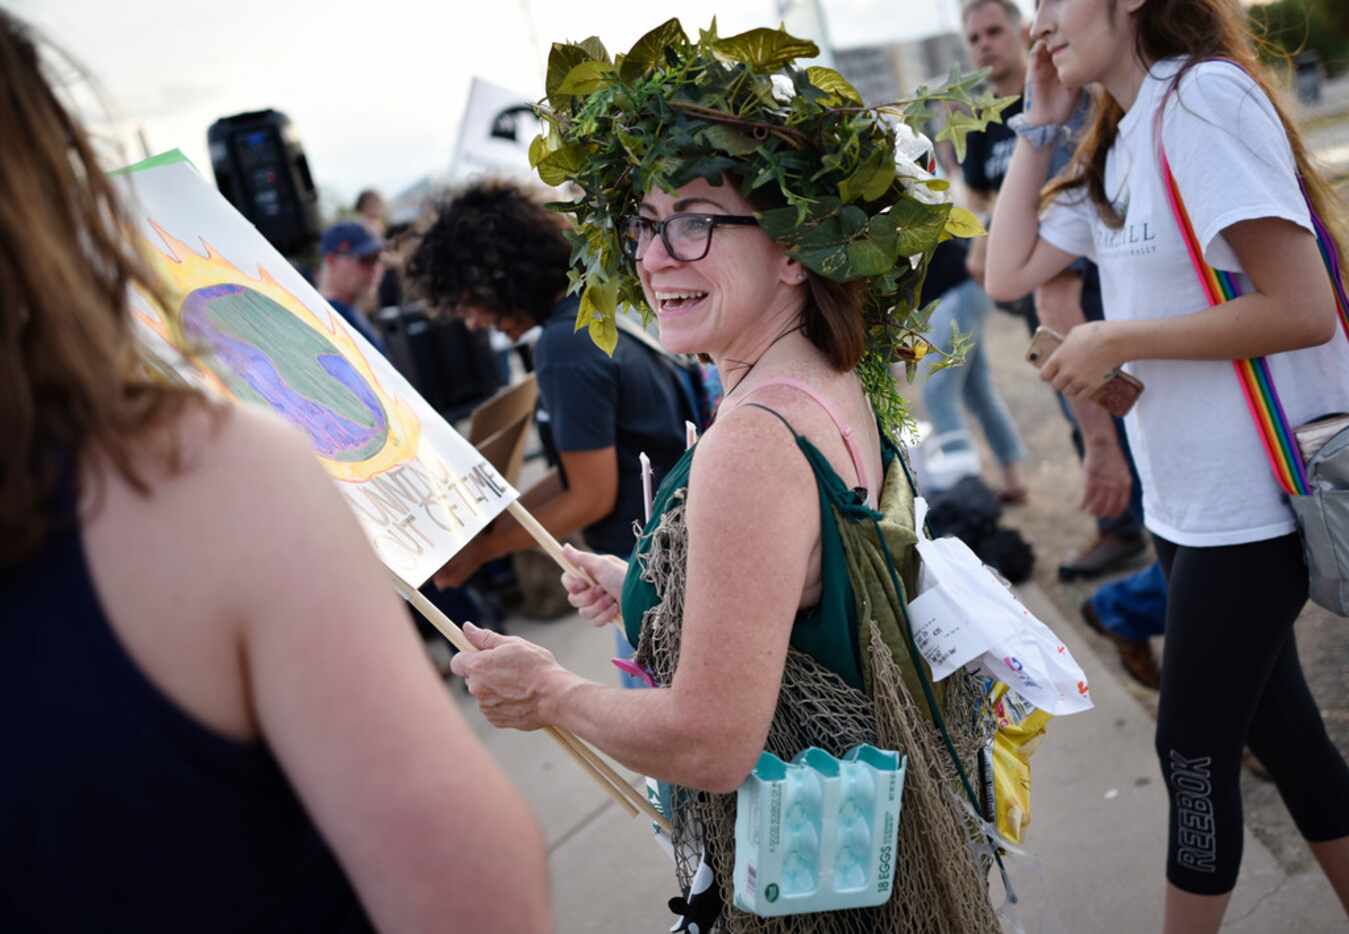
<point x="852" y="206"/>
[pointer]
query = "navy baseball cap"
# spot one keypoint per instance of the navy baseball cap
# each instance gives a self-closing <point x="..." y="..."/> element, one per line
<point x="350" y="238"/>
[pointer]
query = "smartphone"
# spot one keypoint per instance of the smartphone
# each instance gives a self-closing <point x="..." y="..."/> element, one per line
<point x="1042" y="345"/>
<point x="1119" y="393"/>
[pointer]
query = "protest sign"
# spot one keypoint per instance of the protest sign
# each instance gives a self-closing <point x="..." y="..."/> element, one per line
<point x="247" y="326"/>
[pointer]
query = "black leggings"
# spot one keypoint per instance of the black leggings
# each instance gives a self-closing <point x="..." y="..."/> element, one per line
<point x="1231" y="678"/>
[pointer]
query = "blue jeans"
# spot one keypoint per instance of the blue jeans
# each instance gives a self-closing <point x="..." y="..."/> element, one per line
<point x="967" y="307"/>
<point x="1134" y="607"/>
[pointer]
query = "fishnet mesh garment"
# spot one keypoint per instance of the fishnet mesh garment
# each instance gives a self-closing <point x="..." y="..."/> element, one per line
<point x="940" y="885"/>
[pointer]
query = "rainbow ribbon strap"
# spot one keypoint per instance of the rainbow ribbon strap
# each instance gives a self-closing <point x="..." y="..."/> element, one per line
<point x="1256" y="383"/>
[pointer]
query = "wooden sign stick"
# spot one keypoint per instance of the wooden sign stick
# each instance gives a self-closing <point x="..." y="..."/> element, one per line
<point x="550" y="545"/>
<point x="603" y="774"/>
<point x="544" y="537"/>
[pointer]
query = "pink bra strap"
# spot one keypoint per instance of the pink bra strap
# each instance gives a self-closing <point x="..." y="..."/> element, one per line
<point x="858" y="464"/>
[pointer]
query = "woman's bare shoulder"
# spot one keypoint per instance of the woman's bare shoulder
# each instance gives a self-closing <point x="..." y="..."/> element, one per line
<point x="212" y="450"/>
<point x="222" y="481"/>
<point x="748" y="446"/>
<point x="811" y="420"/>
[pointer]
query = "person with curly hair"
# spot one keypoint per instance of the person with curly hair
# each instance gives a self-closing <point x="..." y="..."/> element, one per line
<point x="498" y="258"/>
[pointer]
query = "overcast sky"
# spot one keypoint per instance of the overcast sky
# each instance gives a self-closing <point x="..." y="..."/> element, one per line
<point x="375" y="89"/>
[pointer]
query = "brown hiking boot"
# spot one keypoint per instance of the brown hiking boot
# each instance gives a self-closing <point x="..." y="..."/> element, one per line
<point x="1108" y="553"/>
<point x="1134" y="654"/>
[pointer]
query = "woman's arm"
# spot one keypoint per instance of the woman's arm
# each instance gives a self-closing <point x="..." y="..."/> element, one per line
<point x="749" y="552"/>
<point x="1291" y="307"/>
<point x="424" y="823"/>
<point x="1018" y="260"/>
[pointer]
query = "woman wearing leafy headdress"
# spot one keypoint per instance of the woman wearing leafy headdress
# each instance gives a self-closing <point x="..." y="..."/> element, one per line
<point x="757" y="209"/>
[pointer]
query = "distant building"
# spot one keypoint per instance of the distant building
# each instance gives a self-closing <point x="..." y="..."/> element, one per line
<point x="890" y="72"/>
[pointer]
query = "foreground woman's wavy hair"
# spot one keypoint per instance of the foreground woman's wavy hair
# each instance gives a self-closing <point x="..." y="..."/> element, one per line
<point x="1201" y="30"/>
<point x="70" y="375"/>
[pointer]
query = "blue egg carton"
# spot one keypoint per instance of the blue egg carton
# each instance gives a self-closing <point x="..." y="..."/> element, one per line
<point x="818" y="833"/>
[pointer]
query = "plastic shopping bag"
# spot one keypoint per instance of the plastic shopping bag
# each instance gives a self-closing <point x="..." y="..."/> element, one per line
<point x="964" y="615"/>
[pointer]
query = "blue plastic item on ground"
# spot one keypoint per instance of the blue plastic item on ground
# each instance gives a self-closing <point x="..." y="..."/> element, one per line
<point x="818" y="833"/>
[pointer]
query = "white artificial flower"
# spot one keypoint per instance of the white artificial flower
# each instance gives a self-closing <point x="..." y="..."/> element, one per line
<point x="783" y="89"/>
<point x="909" y="143"/>
<point x="913" y="151"/>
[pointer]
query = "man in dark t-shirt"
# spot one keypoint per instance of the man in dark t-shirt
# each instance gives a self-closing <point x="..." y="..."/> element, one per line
<point x="629" y="402"/>
<point x="989" y="153"/>
<point x="996" y="38"/>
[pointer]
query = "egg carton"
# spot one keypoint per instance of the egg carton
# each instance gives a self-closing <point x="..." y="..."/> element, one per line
<point x="818" y="833"/>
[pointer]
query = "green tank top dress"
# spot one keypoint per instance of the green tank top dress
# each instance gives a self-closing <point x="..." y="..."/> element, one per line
<point x="828" y="631"/>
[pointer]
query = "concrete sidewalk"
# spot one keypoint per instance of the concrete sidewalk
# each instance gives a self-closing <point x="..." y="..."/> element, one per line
<point x="1095" y="848"/>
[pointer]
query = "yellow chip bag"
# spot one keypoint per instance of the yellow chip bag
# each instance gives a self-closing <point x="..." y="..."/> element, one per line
<point x="1020" y="726"/>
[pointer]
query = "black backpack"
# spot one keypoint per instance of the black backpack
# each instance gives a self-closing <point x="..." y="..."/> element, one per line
<point x="699" y="394"/>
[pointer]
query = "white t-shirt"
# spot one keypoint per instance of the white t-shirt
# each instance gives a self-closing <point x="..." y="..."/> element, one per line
<point x="1206" y="478"/>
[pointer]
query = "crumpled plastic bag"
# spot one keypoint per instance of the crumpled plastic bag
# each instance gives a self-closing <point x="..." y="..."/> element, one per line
<point x="965" y="615"/>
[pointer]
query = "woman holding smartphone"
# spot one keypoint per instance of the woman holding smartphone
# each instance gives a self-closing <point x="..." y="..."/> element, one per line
<point x="1181" y="76"/>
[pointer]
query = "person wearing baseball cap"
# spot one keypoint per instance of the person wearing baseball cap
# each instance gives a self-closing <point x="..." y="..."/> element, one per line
<point x="351" y="264"/>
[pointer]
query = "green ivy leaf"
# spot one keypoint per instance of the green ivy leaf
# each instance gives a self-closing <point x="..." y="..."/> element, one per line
<point x="634" y="144"/>
<point x="918" y="226"/>
<point x="852" y="220"/>
<point x="586" y="78"/>
<point x="711" y="168"/>
<point x="538" y="150"/>
<point x="649" y="49"/>
<point x="562" y="58"/>
<point x="829" y="262"/>
<point x="960" y="124"/>
<point x="596" y="48"/>
<point x="584" y="314"/>
<point x="604" y="332"/>
<point x="881" y="231"/>
<point x="730" y="140"/>
<point x="831" y="82"/>
<point x="871" y="179"/>
<point x="779" y="223"/>
<point x="599" y="303"/>
<point x="562" y="165"/>
<point x="766" y="49"/>
<point x="867" y="258"/>
<point x="962" y="223"/>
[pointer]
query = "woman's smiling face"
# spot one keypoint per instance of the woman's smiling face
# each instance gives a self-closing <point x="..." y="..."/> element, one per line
<point x="710" y="304"/>
<point x="1084" y="38"/>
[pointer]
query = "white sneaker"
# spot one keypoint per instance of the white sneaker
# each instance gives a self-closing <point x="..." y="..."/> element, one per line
<point x="943" y="469"/>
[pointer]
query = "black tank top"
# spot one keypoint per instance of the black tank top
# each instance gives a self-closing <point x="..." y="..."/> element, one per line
<point x="118" y="810"/>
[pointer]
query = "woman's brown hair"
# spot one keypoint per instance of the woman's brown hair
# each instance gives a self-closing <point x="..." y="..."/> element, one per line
<point x="832" y="317"/>
<point x="1201" y="30"/>
<point x="70" y="373"/>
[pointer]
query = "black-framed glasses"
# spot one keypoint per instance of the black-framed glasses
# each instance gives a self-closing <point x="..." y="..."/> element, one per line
<point x="687" y="237"/>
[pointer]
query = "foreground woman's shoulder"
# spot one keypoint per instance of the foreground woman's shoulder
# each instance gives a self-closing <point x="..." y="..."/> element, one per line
<point x="753" y="448"/>
<point x="225" y="466"/>
<point x="223" y="442"/>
